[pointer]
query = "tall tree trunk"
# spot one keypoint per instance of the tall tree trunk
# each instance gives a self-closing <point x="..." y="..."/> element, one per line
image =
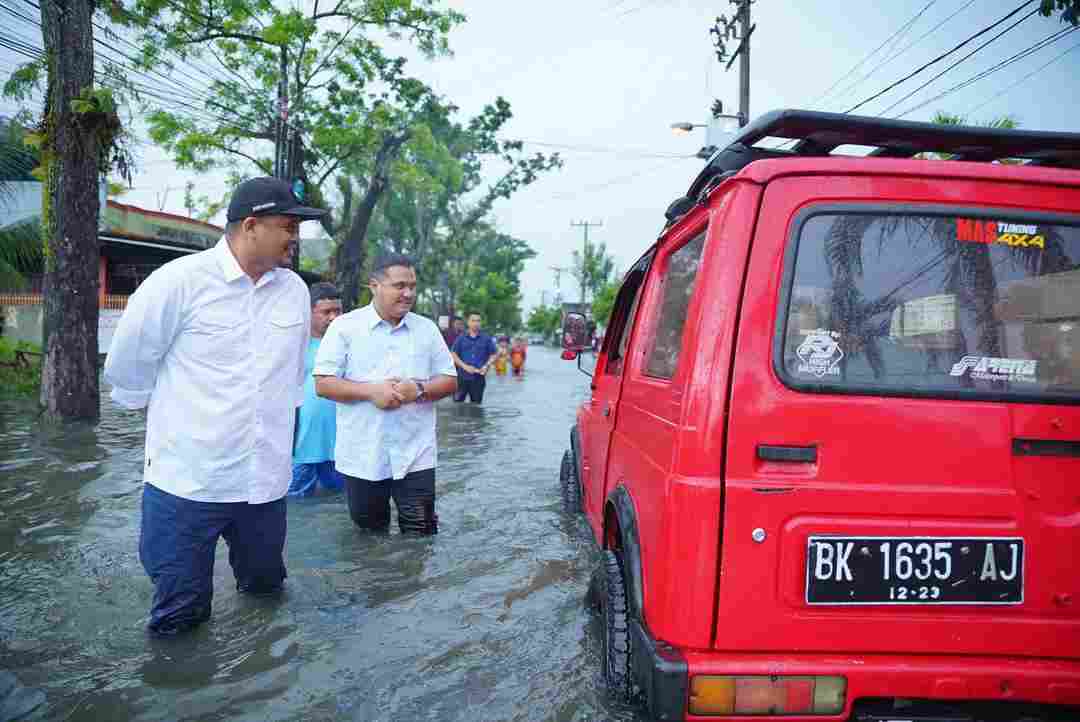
<point x="69" y="379"/>
<point x="352" y="249"/>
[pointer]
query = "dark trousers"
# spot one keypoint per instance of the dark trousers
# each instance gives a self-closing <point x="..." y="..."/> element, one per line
<point x="471" y="385"/>
<point x="414" y="497"/>
<point x="177" y="541"/>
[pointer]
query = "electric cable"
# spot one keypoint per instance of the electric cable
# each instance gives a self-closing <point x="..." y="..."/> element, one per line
<point x="903" y="50"/>
<point x="946" y="70"/>
<point x="903" y="28"/>
<point x="939" y="58"/>
<point x="1045" y="42"/>
<point x="1037" y="70"/>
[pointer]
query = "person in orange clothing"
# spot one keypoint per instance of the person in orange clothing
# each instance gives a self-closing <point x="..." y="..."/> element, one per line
<point x="502" y="355"/>
<point x="517" y="356"/>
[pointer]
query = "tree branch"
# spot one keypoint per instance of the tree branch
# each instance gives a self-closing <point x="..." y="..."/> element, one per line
<point x="322" y="63"/>
<point x="333" y="167"/>
<point x="221" y="146"/>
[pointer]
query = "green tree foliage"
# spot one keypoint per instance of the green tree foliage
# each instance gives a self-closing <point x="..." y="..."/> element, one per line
<point x="593" y="267"/>
<point x="21" y="245"/>
<point x="438" y="199"/>
<point x="20" y="375"/>
<point x="1070" y="10"/>
<point x="496" y="299"/>
<point x="544" y="320"/>
<point x="604" y="301"/>
<point x="344" y="91"/>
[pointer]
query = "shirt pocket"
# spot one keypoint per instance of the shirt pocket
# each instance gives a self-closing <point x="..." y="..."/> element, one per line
<point x="216" y="337"/>
<point x="285" y="332"/>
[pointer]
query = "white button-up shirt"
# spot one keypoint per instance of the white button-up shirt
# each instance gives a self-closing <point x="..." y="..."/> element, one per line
<point x="372" y="443"/>
<point x="219" y="360"/>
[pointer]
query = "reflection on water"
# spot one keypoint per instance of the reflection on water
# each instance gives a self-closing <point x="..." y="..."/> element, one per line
<point x="485" y="621"/>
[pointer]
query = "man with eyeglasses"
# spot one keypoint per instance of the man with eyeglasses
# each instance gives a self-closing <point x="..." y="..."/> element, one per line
<point x="385" y="367"/>
<point x="213" y="345"/>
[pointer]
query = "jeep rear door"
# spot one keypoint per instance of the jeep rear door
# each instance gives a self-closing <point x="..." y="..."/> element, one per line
<point x="903" y="466"/>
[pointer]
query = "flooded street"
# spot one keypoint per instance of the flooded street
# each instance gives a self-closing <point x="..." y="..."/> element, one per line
<point x="484" y="622"/>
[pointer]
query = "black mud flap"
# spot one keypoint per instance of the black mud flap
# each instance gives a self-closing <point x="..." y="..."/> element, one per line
<point x="660" y="673"/>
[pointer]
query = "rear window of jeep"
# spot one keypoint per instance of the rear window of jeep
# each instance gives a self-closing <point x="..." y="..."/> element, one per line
<point x="957" y="305"/>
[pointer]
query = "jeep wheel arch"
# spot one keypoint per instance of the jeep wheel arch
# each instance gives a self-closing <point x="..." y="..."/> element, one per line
<point x="621" y="532"/>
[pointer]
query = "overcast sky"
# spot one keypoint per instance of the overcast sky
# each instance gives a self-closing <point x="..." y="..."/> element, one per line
<point x="601" y="81"/>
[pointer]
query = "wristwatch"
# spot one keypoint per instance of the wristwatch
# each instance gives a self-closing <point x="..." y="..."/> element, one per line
<point x="421" y="394"/>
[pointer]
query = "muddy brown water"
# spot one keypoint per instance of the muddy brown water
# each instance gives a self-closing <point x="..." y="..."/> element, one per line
<point x="484" y="622"/>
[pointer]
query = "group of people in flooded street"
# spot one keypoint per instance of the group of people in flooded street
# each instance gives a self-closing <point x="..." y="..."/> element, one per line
<point x="257" y="388"/>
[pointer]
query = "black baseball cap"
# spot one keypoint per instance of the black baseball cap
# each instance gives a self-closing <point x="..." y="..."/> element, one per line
<point x="268" y="196"/>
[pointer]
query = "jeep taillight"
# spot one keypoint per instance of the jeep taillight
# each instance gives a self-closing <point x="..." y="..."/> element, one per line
<point x="766" y="695"/>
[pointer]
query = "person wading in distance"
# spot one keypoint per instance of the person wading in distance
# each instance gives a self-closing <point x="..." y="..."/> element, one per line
<point x="473" y="353"/>
<point x="385" y="366"/>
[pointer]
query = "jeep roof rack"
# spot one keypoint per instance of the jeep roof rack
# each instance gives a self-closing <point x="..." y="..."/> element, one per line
<point x="819" y="134"/>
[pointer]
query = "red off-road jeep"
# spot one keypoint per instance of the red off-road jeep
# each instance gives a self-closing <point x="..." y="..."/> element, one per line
<point x="832" y="454"/>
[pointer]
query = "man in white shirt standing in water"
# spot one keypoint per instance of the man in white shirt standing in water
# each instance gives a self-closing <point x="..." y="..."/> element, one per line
<point x="213" y="344"/>
<point x="385" y="366"/>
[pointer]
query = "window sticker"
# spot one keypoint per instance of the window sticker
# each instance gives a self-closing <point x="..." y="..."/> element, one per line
<point x="819" y="353"/>
<point x="1015" y="235"/>
<point x="988" y="368"/>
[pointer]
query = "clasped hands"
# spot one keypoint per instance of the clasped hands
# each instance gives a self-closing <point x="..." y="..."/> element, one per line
<point x="394" y="392"/>
<point x="474" y="370"/>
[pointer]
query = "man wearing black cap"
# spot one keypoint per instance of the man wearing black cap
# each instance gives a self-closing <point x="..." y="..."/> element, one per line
<point x="213" y="345"/>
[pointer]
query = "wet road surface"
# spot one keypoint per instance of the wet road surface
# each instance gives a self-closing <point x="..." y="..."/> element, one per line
<point x="484" y="622"/>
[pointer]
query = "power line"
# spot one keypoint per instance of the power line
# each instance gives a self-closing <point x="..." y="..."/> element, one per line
<point x="1045" y="42"/>
<point x="1002" y="92"/>
<point x="939" y="58"/>
<point x="946" y="70"/>
<point x="872" y="53"/>
<point x="906" y="48"/>
<point x="626" y="152"/>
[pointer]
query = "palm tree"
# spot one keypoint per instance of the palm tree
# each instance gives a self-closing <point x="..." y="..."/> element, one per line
<point x="20" y="243"/>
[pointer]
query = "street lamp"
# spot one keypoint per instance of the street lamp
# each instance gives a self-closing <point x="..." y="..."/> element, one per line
<point x="718" y="131"/>
<point x="684" y="128"/>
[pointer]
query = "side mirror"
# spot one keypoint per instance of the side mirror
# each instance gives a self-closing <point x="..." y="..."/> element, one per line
<point x="568" y="355"/>
<point x="575" y="332"/>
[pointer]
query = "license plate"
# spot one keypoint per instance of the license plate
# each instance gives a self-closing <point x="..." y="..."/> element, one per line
<point x="914" y="570"/>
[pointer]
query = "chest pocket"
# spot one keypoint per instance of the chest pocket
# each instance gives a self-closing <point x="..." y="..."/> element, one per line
<point x="284" y="334"/>
<point x="216" y="337"/>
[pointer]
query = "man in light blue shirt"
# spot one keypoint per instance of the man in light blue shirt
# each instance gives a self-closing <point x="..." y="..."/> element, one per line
<point x="316" y="425"/>
<point x="385" y="366"/>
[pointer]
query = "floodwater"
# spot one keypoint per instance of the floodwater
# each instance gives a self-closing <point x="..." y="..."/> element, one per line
<point x="484" y="622"/>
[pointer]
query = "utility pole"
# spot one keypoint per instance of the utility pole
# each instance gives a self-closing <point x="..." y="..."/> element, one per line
<point x="281" y="131"/>
<point x="585" y="253"/>
<point x="744" y="62"/>
<point x="737" y="28"/>
<point x="558" y="281"/>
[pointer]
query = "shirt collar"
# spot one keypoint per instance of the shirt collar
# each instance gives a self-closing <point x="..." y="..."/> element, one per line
<point x="230" y="267"/>
<point x="374" y="319"/>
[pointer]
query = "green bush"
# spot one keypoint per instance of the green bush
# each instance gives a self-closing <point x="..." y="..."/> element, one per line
<point x="18" y="380"/>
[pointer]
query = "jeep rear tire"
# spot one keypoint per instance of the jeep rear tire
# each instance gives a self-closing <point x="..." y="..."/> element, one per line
<point x="571" y="487"/>
<point x="615" y="627"/>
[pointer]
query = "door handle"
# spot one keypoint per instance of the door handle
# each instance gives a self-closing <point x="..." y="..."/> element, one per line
<point x="806" y="454"/>
<point x="1045" y="447"/>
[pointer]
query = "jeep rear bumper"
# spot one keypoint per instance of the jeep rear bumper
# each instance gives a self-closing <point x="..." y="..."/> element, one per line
<point x="663" y="674"/>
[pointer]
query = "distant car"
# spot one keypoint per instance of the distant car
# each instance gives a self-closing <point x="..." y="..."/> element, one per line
<point x="536" y="340"/>
<point x="832" y="451"/>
